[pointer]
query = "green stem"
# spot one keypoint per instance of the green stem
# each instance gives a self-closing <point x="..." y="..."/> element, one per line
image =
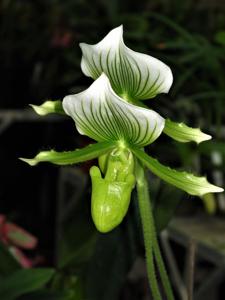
<point x="148" y="228"/>
<point x="162" y="270"/>
<point x="150" y="237"/>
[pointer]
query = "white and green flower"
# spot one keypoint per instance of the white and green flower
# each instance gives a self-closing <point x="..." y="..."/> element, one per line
<point x="132" y="75"/>
<point x="109" y="112"/>
<point x="116" y="124"/>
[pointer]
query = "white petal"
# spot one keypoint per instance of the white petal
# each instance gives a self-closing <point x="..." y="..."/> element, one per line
<point x="132" y="75"/>
<point x="100" y="114"/>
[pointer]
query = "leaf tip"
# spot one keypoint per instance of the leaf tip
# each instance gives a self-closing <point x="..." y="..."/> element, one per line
<point x="38" y="109"/>
<point x="203" y="137"/>
<point x="218" y="189"/>
<point x="48" y="107"/>
<point x="30" y="161"/>
<point x="211" y="188"/>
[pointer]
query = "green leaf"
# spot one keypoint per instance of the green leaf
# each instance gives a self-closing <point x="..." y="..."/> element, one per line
<point x="182" y="133"/>
<point x="100" y="114"/>
<point x="76" y="244"/>
<point x="165" y="205"/>
<point x="71" y="157"/>
<point x="49" y="107"/>
<point x="193" y="185"/>
<point x="109" y="266"/>
<point x="132" y="75"/>
<point x="8" y="263"/>
<point x="220" y="37"/>
<point x="24" y="281"/>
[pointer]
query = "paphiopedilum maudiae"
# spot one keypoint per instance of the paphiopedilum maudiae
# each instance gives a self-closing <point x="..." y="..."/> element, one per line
<point x="110" y="112"/>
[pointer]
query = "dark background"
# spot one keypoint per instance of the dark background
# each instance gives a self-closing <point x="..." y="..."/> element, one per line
<point x="40" y="60"/>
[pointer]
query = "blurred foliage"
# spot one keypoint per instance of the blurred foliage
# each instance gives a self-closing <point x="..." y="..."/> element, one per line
<point x="23" y="281"/>
<point x="40" y="59"/>
<point x="8" y="262"/>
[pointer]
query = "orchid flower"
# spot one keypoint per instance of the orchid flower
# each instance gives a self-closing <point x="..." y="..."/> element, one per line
<point x="134" y="76"/>
<point x="110" y="112"/>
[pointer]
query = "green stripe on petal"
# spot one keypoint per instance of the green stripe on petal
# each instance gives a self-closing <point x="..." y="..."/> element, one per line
<point x="182" y="133"/>
<point x="100" y="114"/>
<point x="132" y="75"/>
<point x="193" y="185"/>
<point x="71" y="157"/>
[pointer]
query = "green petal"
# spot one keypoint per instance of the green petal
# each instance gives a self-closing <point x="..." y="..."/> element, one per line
<point x="111" y="194"/>
<point x="193" y="185"/>
<point x="100" y="114"/>
<point x="110" y="200"/>
<point x="71" y="157"/>
<point x="132" y="75"/>
<point x="49" y="107"/>
<point x="182" y="133"/>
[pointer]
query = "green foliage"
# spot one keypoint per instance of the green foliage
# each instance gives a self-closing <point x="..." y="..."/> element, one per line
<point x="8" y="264"/>
<point x="23" y="281"/>
<point x="115" y="262"/>
<point x="165" y="204"/>
<point x="78" y="241"/>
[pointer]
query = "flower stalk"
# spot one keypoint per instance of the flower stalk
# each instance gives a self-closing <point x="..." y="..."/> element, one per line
<point x="152" y="249"/>
<point x="148" y="228"/>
